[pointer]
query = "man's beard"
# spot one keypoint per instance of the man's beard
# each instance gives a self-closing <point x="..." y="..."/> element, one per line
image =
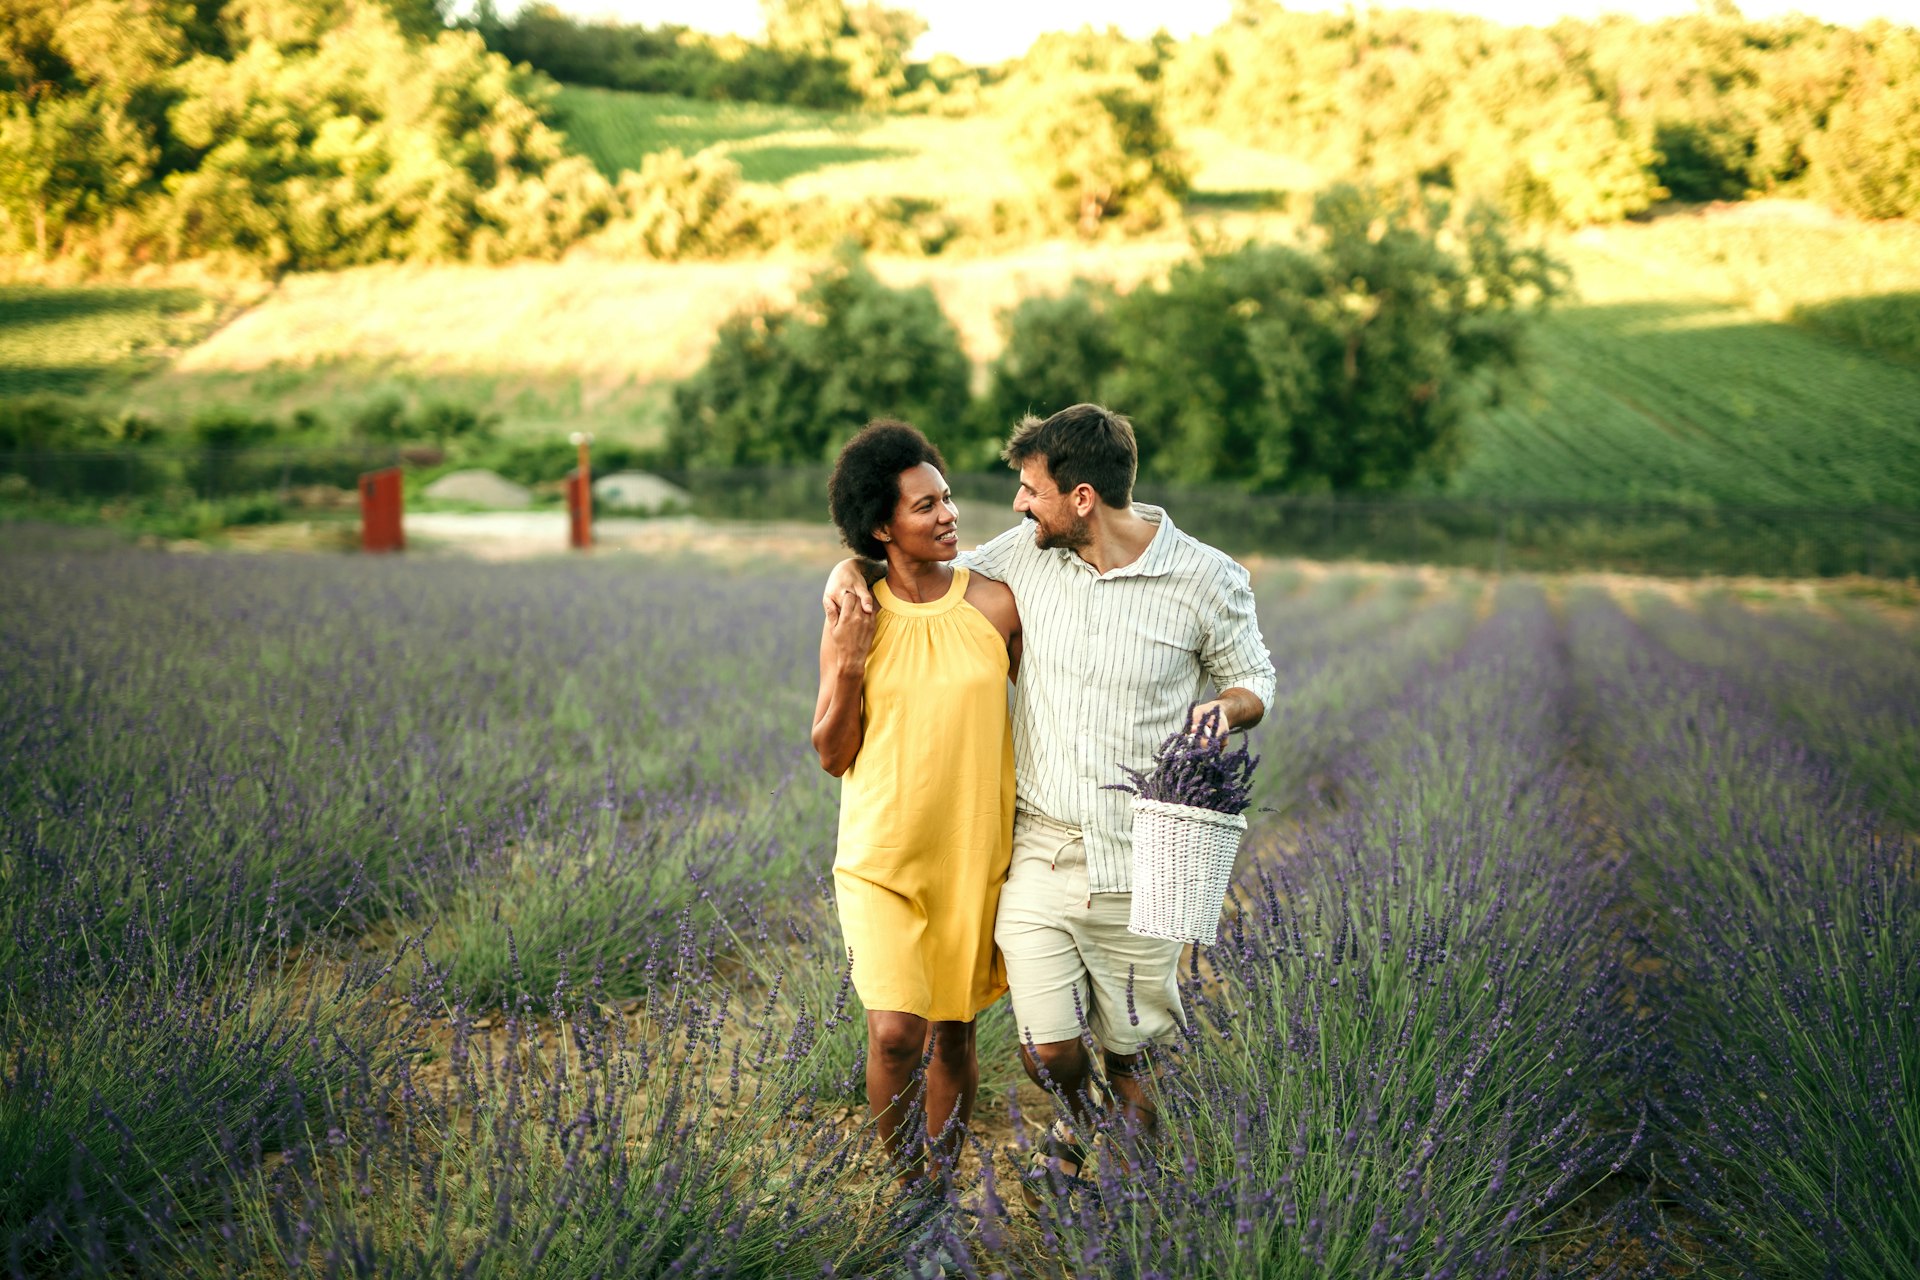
<point x="1072" y="538"/>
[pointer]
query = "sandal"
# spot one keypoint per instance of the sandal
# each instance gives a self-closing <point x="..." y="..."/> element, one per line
<point x="1055" y="1166"/>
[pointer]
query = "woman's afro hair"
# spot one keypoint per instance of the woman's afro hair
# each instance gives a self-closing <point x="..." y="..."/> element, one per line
<point x="865" y="486"/>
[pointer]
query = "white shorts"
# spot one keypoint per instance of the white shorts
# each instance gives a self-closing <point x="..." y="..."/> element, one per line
<point x="1070" y="959"/>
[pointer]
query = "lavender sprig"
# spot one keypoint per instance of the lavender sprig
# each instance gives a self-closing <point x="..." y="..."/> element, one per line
<point x="1193" y="767"/>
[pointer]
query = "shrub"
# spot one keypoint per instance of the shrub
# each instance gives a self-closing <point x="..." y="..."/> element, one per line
<point x="225" y="428"/>
<point x="784" y="387"/>
<point x="538" y="215"/>
<point x="1101" y="152"/>
<point x="445" y="420"/>
<point x="679" y="206"/>
<point x="39" y="422"/>
<point x="381" y="418"/>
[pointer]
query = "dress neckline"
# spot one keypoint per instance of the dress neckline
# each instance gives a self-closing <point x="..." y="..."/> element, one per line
<point x="956" y="592"/>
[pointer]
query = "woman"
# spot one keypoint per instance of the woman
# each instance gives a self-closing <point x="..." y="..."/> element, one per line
<point x="912" y="717"/>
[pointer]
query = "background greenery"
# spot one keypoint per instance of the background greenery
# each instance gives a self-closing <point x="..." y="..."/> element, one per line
<point x="307" y="133"/>
<point x="1518" y="308"/>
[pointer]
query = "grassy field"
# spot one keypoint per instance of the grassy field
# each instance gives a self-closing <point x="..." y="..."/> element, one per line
<point x="963" y="162"/>
<point x="1856" y="282"/>
<point x="558" y="347"/>
<point x="790" y="147"/>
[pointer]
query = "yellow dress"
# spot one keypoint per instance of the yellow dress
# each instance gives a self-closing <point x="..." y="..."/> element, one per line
<point x="926" y="811"/>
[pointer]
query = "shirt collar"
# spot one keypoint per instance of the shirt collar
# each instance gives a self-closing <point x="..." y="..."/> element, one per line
<point x="1153" y="562"/>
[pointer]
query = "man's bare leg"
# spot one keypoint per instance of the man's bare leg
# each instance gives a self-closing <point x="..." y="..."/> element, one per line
<point x="1130" y="1074"/>
<point x="1065" y="1067"/>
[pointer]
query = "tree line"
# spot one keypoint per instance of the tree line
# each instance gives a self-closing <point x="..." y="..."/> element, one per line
<point x="290" y="134"/>
<point x="1581" y="121"/>
<point x="282" y="133"/>
<point x="1574" y="123"/>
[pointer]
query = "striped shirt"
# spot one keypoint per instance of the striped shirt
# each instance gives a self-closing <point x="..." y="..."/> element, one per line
<point x="1110" y="664"/>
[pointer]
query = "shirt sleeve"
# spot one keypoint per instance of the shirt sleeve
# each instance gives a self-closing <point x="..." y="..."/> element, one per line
<point x="996" y="559"/>
<point x="1233" y="653"/>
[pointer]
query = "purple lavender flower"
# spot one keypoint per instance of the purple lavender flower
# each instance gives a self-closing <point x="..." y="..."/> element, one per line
<point x="1194" y="768"/>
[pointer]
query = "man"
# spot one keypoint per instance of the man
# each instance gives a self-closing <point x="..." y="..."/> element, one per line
<point x="1127" y="622"/>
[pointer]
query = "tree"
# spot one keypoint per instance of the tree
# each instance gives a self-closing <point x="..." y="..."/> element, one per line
<point x="369" y="145"/>
<point x="1090" y="130"/>
<point x="289" y="133"/>
<point x="1100" y="152"/>
<point x="1867" y="160"/>
<point x="68" y="161"/>
<point x="871" y="40"/>
<point x="678" y="206"/>
<point x="788" y="387"/>
<point x="662" y="59"/>
<point x="1340" y="365"/>
<point x="1059" y="351"/>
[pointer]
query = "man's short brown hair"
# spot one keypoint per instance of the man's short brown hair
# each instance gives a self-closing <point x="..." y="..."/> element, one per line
<point x="1081" y="444"/>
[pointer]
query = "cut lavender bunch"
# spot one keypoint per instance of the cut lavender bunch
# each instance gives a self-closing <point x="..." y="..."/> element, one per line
<point x="1194" y="768"/>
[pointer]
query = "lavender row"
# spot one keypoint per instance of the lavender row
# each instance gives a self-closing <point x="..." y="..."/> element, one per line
<point x="1861" y="712"/>
<point x="351" y="1131"/>
<point x="1412" y="1045"/>
<point x="566" y="748"/>
<point x="1784" y="912"/>
<point x="620" y="1038"/>
<point x="211" y="771"/>
<point x="547" y="776"/>
<point x="1340" y="652"/>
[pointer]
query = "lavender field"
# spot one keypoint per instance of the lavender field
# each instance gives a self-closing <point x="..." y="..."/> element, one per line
<point x="433" y="919"/>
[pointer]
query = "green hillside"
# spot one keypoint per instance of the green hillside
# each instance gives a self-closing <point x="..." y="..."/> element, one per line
<point x="1663" y="382"/>
<point x="1668" y="375"/>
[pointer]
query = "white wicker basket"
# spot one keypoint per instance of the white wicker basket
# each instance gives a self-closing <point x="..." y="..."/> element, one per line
<point x="1182" y="863"/>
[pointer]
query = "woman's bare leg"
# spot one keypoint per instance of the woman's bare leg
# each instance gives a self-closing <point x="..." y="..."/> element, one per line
<point x="953" y="1083"/>
<point x="895" y="1043"/>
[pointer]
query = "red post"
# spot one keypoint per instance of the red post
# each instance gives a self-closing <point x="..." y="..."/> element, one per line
<point x="579" y="517"/>
<point x="381" y="527"/>
<point x="580" y="497"/>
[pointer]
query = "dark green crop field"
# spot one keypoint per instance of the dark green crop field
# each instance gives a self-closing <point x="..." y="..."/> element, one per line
<point x="1648" y="387"/>
<point x="69" y="340"/>
<point x="1669" y="401"/>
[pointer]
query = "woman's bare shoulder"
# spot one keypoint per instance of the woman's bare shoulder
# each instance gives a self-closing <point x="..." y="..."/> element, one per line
<point x="995" y="600"/>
